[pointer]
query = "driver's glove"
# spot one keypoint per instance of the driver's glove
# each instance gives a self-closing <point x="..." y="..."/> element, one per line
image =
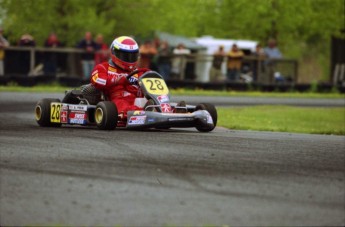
<point x="133" y="80"/>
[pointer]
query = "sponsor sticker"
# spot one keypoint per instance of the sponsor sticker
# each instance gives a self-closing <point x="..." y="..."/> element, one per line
<point x="77" y="115"/>
<point x="166" y="108"/>
<point x="111" y="69"/>
<point x="137" y="120"/>
<point x="95" y="77"/>
<point x="63" y="116"/>
<point x="151" y="120"/>
<point x="77" y="107"/>
<point x="64" y="107"/>
<point x="101" y="81"/>
<point x="77" y="118"/>
<point x="77" y="121"/>
<point x="163" y="98"/>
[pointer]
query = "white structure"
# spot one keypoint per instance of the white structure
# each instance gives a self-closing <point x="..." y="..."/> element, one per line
<point x="203" y="67"/>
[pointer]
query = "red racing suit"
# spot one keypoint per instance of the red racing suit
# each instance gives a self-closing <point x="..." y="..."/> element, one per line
<point x="113" y="82"/>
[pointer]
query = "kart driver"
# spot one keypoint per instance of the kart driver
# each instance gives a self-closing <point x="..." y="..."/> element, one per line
<point x="110" y="77"/>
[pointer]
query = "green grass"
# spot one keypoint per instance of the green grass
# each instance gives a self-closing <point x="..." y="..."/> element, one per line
<point x="39" y="88"/>
<point x="186" y="92"/>
<point x="284" y="119"/>
<point x="200" y="92"/>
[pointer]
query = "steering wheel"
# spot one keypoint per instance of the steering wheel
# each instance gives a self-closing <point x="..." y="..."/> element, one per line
<point x="136" y="71"/>
<point x="132" y="73"/>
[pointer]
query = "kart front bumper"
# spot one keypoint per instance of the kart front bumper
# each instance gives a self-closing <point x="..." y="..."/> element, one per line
<point x="148" y="119"/>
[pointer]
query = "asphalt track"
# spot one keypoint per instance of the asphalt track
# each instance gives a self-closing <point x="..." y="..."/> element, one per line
<point x="82" y="176"/>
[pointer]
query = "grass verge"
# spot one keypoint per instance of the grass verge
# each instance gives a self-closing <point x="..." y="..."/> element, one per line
<point x="188" y="92"/>
<point x="284" y="119"/>
<point x="292" y="94"/>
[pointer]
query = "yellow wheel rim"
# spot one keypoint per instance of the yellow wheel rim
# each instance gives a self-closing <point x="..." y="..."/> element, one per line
<point x="38" y="113"/>
<point x="99" y="115"/>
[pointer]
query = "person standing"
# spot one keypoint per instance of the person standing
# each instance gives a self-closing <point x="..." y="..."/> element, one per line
<point x="3" y="43"/>
<point x="147" y="52"/>
<point x="216" y="74"/>
<point x="27" y="40"/>
<point x="271" y="50"/>
<point x="164" y="60"/>
<point x="258" y="66"/>
<point x="273" y="54"/>
<point x="179" y="61"/>
<point x="24" y="57"/>
<point x="235" y="57"/>
<point x="51" y="58"/>
<point x="88" y="57"/>
<point x="102" y="54"/>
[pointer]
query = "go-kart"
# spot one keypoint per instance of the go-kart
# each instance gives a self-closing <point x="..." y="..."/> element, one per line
<point x="83" y="107"/>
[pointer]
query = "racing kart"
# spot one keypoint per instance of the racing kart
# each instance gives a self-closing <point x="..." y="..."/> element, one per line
<point x="82" y="107"/>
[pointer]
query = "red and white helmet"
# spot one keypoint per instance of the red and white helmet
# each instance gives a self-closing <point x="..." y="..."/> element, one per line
<point x="125" y="52"/>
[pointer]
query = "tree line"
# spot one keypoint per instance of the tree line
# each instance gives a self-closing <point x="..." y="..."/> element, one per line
<point x="301" y="27"/>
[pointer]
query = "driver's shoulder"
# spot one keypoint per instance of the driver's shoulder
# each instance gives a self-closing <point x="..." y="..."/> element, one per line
<point x="104" y="67"/>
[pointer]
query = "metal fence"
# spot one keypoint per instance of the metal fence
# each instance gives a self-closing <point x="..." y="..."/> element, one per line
<point x="31" y="61"/>
<point x="66" y="62"/>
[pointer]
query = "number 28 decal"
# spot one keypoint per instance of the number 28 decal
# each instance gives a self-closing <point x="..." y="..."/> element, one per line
<point x="155" y="86"/>
<point x="55" y="109"/>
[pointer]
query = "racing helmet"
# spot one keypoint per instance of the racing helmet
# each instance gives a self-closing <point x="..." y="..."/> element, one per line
<point x="125" y="52"/>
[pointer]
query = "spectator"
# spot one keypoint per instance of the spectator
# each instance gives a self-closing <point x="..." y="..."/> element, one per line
<point x="258" y="66"/>
<point x="272" y="52"/>
<point x="87" y="58"/>
<point x="52" y="41"/>
<point x="103" y="52"/>
<point x="235" y="56"/>
<point x="216" y="74"/>
<point x="51" y="58"/>
<point x="179" y="60"/>
<point x="147" y="53"/>
<point x="26" y="40"/>
<point x="163" y="60"/>
<point x="3" y="43"/>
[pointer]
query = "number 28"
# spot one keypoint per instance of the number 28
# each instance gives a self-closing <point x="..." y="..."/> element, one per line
<point x="155" y="84"/>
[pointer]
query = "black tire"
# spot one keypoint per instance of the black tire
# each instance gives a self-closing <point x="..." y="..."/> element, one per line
<point x="213" y="112"/>
<point x="106" y="115"/>
<point x="42" y="113"/>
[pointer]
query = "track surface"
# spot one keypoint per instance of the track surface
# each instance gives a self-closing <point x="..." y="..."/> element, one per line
<point x="81" y="176"/>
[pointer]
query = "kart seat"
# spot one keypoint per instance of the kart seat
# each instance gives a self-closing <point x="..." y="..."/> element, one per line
<point x="76" y="92"/>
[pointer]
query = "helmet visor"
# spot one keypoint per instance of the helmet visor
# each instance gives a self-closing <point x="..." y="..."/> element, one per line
<point x="130" y="57"/>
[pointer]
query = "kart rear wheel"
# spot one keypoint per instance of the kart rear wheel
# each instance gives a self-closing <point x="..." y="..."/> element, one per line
<point x="106" y="115"/>
<point x="213" y="112"/>
<point x="42" y="113"/>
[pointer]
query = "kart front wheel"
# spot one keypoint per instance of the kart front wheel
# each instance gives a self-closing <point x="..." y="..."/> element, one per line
<point x="212" y="111"/>
<point x="42" y="113"/>
<point x="106" y="115"/>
